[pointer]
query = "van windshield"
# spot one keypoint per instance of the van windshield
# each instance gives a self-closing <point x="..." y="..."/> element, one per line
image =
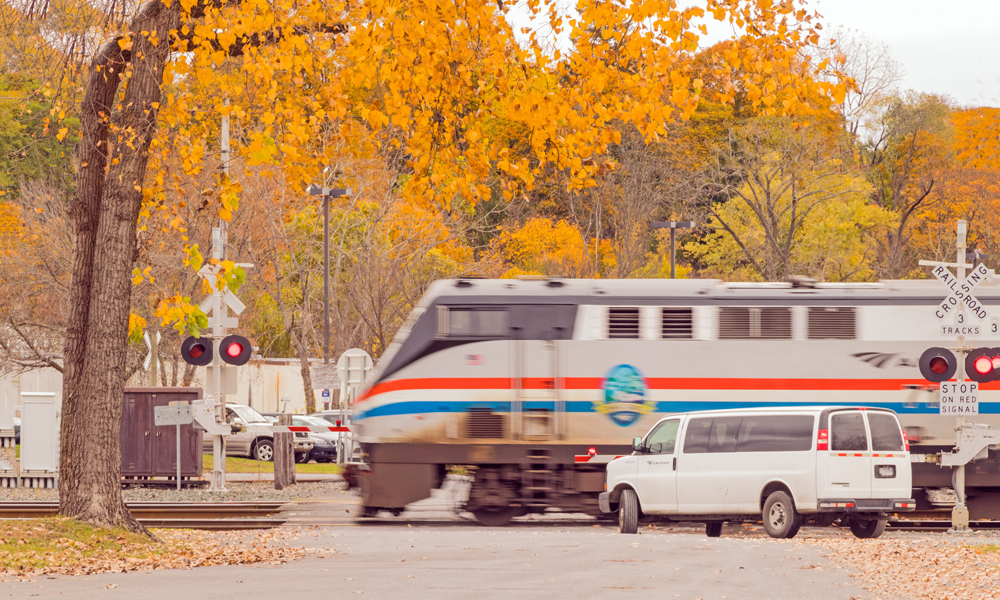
<point x="885" y="432"/>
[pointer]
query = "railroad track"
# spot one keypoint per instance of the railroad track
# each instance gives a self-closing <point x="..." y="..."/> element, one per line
<point x="173" y="515"/>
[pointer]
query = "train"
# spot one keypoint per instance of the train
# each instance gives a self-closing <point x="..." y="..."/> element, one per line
<point x="514" y="380"/>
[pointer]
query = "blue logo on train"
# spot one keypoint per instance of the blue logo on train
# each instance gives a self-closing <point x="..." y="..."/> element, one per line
<point x="626" y="395"/>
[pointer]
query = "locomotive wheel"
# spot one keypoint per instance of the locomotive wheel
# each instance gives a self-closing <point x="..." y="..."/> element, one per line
<point x="495" y="517"/>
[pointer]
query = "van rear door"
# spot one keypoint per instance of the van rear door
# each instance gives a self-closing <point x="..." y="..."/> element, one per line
<point x="848" y="459"/>
<point x="890" y="472"/>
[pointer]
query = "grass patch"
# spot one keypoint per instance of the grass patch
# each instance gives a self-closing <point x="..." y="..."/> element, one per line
<point x="249" y="465"/>
<point x="985" y="548"/>
<point x="32" y="544"/>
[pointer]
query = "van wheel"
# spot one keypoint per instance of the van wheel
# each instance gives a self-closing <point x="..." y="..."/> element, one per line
<point x="628" y="512"/>
<point x="779" y="516"/>
<point x="713" y="529"/>
<point x="264" y="450"/>
<point x="869" y="529"/>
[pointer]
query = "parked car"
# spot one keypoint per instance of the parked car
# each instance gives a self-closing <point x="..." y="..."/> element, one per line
<point x="254" y="440"/>
<point x="784" y="466"/>
<point x="325" y="444"/>
<point x="331" y="416"/>
<point x="299" y="438"/>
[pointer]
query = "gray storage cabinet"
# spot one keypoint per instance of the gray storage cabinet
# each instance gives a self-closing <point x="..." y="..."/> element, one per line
<point x="150" y="451"/>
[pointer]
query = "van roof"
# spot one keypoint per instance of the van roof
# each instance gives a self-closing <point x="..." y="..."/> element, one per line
<point x="784" y="409"/>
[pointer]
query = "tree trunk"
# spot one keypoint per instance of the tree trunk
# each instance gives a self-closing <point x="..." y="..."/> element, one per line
<point x="105" y="211"/>
<point x="303" y="352"/>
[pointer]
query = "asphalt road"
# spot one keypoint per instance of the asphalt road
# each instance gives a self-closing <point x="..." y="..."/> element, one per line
<point x="535" y="560"/>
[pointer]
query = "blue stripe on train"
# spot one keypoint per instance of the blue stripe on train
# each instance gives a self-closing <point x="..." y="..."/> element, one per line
<point x="673" y="406"/>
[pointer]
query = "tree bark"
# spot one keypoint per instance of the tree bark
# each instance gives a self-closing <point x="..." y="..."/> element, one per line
<point x="105" y="212"/>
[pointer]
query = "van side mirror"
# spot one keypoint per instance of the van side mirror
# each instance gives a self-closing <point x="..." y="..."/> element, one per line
<point x="637" y="443"/>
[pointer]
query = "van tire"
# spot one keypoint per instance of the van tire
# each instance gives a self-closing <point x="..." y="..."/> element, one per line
<point x="868" y="529"/>
<point x="628" y="512"/>
<point x="780" y="517"/>
<point x="713" y="529"/>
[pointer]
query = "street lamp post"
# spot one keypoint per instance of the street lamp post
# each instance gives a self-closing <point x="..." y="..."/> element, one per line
<point x="673" y="226"/>
<point x="327" y="193"/>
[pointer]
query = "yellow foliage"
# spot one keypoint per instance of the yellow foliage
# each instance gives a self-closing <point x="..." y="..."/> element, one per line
<point x="833" y="242"/>
<point x="541" y="247"/>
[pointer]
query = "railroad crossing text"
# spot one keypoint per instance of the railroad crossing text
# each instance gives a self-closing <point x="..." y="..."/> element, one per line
<point x="959" y="398"/>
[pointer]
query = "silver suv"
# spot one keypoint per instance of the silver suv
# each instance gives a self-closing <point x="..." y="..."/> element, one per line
<point x="254" y="440"/>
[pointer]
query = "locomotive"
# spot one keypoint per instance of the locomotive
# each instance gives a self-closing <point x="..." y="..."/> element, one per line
<point x="520" y="380"/>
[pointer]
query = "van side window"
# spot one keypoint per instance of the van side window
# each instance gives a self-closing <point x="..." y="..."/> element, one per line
<point x="776" y="433"/>
<point x="663" y="439"/>
<point x="885" y="432"/>
<point x="848" y="432"/>
<point x="696" y="440"/>
<point x="723" y="435"/>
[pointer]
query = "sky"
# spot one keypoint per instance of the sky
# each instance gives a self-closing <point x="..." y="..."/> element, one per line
<point x="950" y="48"/>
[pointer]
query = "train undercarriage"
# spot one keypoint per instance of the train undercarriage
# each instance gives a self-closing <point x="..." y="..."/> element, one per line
<point x="512" y="480"/>
<point x="507" y="480"/>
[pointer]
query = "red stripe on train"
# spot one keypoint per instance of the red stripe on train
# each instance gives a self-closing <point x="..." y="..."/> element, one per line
<point x="656" y="383"/>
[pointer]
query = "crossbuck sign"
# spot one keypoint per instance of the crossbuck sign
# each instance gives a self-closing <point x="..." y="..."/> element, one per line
<point x="960" y="292"/>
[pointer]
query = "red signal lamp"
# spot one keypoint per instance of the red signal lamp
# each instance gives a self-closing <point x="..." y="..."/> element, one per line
<point x="197" y="351"/>
<point x="592" y="451"/>
<point x="983" y="365"/>
<point x="938" y="364"/>
<point x="979" y="365"/>
<point x="235" y="350"/>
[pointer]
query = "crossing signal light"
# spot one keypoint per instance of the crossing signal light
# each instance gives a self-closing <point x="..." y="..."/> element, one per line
<point x="938" y="364"/>
<point x="983" y="364"/>
<point x="235" y="350"/>
<point x="197" y="351"/>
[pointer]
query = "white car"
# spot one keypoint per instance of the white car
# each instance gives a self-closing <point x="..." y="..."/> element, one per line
<point x="779" y="465"/>
<point x="254" y="438"/>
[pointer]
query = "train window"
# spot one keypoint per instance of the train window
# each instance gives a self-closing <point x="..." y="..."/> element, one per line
<point x="472" y="322"/>
<point x="757" y="323"/>
<point x="623" y="322"/>
<point x="885" y="433"/>
<point x="775" y="433"/>
<point x="676" y="323"/>
<point x="832" y="323"/>
<point x="848" y="432"/>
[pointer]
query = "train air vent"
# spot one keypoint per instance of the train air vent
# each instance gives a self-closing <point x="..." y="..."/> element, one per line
<point x="676" y="323"/>
<point x="832" y="323"/>
<point x="484" y="423"/>
<point x="623" y="323"/>
<point x="765" y="323"/>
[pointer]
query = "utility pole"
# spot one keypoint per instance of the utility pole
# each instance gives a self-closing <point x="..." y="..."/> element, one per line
<point x="326" y="193"/>
<point x="673" y="226"/>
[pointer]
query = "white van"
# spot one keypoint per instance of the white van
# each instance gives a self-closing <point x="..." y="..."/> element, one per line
<point x="781" y="465"/>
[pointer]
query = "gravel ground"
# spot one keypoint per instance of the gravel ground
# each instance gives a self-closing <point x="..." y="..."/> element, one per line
<point x="238" y="492"/>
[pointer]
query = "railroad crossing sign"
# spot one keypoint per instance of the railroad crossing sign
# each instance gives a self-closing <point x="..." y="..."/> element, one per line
<point x="960" y="292"/>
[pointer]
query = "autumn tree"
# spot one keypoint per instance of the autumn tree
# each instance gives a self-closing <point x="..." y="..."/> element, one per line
<point x="905" y="156"/>
<point x="787" y="196"/>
